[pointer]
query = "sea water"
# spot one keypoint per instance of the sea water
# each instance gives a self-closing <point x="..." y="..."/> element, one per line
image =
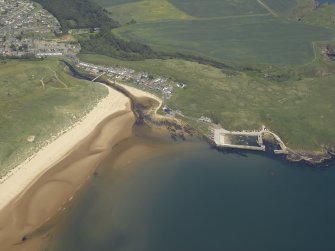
<point x="199" y="199"/>
<point x="326" y="1"/>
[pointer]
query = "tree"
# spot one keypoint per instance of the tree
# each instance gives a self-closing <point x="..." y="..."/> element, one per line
<point x="13" y="47"/>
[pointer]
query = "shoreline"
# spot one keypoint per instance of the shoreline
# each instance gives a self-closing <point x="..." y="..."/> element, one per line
<point x="38" y="163"/>
<point x="318" y="158"/>
<point x="39" y="188"/>
<point x="59" y="135"/>
<point x="315" y="158"/>
<point x="278" y="148"/>
<point x="24" y="218"/>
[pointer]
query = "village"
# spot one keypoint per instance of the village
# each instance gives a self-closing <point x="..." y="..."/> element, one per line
<point x="159" y="84"/>
<point x="26" y="29"/>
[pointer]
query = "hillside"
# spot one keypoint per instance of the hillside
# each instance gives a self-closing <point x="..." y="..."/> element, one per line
<point x="76" y="14"/>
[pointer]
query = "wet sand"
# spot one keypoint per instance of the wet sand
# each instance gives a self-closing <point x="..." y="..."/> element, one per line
<point x="42" y="187"/>
<point x="139" y="94"/>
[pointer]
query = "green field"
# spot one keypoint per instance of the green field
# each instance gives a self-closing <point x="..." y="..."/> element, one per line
<point x="108" y="3"/>
<point x="281" y="6"/>
<point x="142" y="10"/>
<point x="242" y="31"/>
<point x="38" y="99"/>
<point x="219" y="8"/>
<point x="251" y="40"/>
<point x="147" y="11"/>
<point x="301" y="109"/>
<point x="323" y="16"/>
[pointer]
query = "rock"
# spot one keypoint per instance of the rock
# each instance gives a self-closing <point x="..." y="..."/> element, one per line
<point x="31" y="138"/>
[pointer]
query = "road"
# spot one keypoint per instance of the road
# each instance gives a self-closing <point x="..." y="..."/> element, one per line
<point x="268" y="8"/>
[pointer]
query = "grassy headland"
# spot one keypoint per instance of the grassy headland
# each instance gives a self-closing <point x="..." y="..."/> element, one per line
<point x="292" y="102"/>
<point x="277" y="75"/>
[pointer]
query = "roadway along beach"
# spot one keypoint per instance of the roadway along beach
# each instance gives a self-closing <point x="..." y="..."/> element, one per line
<point x="40" y="187"/>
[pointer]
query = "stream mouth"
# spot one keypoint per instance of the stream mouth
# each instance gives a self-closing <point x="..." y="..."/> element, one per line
<point x="141" y="106"/>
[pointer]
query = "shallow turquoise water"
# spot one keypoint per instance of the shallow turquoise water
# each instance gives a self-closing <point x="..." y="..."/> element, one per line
<point x="200" y="199"/>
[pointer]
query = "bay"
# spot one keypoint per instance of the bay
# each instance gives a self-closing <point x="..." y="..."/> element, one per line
<point x="189" y="197"/>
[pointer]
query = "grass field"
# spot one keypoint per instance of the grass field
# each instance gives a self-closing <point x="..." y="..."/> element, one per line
<point x="38" y="99"/>
<point x="305" y="11"/>
<point x="251" y="40"/>
<point x="147" y="11"/>
<point x="108" y="3"/>
<point x="323" y="16"/>
<point x="300" y="110"/>
<point x="281" y="6"/>
<point x="252" y="32"/>
<point x="219" y="8"/>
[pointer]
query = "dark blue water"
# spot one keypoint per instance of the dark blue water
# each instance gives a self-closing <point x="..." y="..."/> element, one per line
<point x="326" y="1"/>
<point x="198" y="199"/>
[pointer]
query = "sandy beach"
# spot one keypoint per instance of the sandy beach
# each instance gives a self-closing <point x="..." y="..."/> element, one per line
<point x="41" y="186"/>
